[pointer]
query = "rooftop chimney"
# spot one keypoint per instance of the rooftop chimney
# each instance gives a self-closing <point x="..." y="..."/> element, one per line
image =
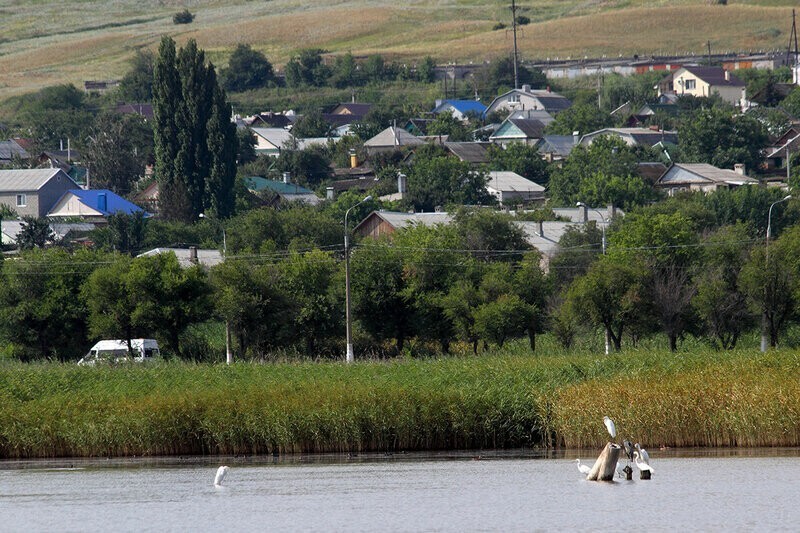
<point x="102" y="202"/>
<point x="740" y="169"/>
<point x="612" y="212"/>
<point x="576" y="137"/>
<point x="353" y="159"/>
<point x="526" y="88"/>
<point x="585" y="209"/>
<point x="727" y="76"/>
<point x="287" y="177"/>
<point x="329" y="193"/>
<point x="193" y="255"/>
<point x="548" y="88"/>
<point x="541" y="228"/>
<point x="401" y="184"/>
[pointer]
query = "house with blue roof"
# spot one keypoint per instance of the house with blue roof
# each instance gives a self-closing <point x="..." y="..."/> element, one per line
<point x="460" y="109"/>
<point x="94" y="205"/>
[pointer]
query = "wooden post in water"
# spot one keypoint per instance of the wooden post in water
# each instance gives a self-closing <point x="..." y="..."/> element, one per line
<point x="606" y="465"/>
<point x="644" y="474"/>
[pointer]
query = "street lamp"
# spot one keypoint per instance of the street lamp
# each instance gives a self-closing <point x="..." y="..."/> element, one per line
<point x="228" y="353"/>
<point x="766" y="253"/>
<point x="349" y="357"/>
<point x="603" y="227"/>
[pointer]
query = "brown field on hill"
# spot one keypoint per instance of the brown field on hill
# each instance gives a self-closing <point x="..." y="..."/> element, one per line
<point x="95" y="40"/>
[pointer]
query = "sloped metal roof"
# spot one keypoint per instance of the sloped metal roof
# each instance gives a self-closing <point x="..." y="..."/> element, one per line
<point x="31" y="179"/>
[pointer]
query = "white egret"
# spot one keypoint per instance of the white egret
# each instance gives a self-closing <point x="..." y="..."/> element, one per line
<point x="620" y="471"/>
<point x="583" y="469"/>
<point x="642" y="453"/>
<point x="642" y="464"/>
<point x="221" y="471"/>
<point x="612" y="429"/>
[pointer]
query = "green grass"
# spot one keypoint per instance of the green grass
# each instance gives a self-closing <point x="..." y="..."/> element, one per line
<point x="95" y="40"/>
<point x="692" y="398"/>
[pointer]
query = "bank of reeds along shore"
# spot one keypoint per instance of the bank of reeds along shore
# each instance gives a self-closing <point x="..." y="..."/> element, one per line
<point x="494" y="401"/>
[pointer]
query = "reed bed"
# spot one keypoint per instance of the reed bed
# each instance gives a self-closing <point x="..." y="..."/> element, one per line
<point x="492" y="401"/>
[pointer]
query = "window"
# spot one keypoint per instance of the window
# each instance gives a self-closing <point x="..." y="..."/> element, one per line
<point x="22" y="201"/>
<point x="690" y="85"/>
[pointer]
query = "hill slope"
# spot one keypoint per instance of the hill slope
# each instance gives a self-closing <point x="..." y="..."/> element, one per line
<point x="45" y="42"/>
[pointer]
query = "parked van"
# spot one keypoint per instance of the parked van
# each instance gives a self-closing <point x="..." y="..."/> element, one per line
<point x="116" y="351"/>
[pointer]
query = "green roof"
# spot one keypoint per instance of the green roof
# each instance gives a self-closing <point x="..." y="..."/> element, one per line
<point x="257" y="184"/>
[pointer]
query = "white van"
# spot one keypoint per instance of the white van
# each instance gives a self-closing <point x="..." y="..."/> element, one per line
<point x="116" y="351"/>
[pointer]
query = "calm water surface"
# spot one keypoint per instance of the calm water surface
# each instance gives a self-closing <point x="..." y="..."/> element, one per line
<point x="493" y="492"/>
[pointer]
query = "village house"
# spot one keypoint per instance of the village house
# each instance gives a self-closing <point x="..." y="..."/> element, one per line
<point x="460" y="109"/>
<point x="94" y="205"/>
<point x="702" y="177"/>
<point x="34" y="192"/>
<point x="512" y="189"/>
<point x="529" y="99"/>
<point x="705" y="81"/>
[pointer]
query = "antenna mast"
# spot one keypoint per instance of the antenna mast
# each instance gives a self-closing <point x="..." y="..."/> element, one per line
<point x="514" y="27"/>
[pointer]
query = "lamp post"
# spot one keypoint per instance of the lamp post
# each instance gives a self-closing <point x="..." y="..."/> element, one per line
<point x="349" y="356"/>
<point x="764" y="339"/>
<point x="603" y="245"/>
<point x="228" y="353"/>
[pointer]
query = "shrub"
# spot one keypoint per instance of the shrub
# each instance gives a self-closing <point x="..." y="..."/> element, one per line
<point x="182" y="17"/>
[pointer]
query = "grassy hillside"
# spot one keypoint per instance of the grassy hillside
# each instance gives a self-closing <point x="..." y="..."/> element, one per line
<point x="43" y="42"/>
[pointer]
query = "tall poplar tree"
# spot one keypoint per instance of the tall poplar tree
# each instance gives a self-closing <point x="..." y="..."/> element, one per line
<point x="196" y="142"/>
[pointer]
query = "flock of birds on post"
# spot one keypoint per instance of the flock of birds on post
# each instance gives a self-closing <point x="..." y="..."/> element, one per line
<point x="634" y="452"/>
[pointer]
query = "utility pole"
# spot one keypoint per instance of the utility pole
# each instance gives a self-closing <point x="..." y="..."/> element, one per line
<point x="708" y="43"/>
<point x="514" y="28"/>
<point x="792" y="61"/>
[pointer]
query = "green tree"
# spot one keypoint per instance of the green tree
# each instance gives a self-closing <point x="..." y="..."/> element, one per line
<point x="792" y="102"/>
<point x="249" y="299"/>
<point x="137" y="84"/>
<point x="490" y="235"/>
<point x="307" y="69"/>
<point x="42" y="313"/>
<point x="34" y="233"/>
<point x="123" y="233"/>
<point x="247" y="69"/>
<point x="111" y="303"/>
<point x="771" y="280"/>
<point x="55" y="115"/>
<point x="534" y="288"/>
<point x="443" y="180"/>
<point x="345" y="72"/>
<point x="311" y="124"/>
<point x="117" y="151"/>
<point x="623" y="191"/>
<point x="521" y="158"/>
<point x="195" y="142"/>
<point x="446" y="124"/>
<point x="426" y="72"/>
<point x="719" y="302"/>
<point x="610" y="295"/>
<point x="506" y="317"/>
<point x="312" y="284"/>
<point x="581" y="117"/>
<point x="721" y="138"/>
<point x="578" y="248"/>
<point x="379" y="300"/>
<point x="607" y="155"/>
<point x="168" y="298"/>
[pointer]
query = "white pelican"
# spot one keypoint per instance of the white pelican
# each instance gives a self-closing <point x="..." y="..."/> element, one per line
<point x="642" y="453"/>
<point x="221" y="471"/>
<point x="582" y="468"/>
<point x="642" y="464"/>
<point x="612" y="429"/>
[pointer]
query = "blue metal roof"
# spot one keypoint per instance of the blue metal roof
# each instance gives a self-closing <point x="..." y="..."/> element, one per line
<point x="465" y="106"/>
<point x="114" y="203"/>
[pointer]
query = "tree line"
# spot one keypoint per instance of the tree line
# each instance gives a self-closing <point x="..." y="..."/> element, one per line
<point x="691" y="266"/>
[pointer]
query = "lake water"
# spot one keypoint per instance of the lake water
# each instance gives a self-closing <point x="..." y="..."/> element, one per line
<point x="449" y="492"/>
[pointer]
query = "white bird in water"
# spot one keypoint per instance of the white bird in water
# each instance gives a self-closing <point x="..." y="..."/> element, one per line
<point x="582" y="468"/>
<point x="620" y="471"/>
<point x="642" y="464"/>
<point x="642" y="453"/>
<point x="612" y="429"/>
<point x="221" y="471"/>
